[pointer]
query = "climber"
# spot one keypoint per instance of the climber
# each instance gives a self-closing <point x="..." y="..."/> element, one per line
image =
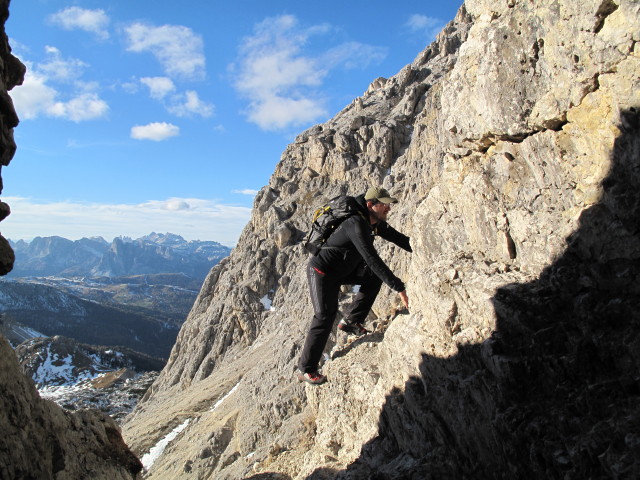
<point x="349" y="258"/>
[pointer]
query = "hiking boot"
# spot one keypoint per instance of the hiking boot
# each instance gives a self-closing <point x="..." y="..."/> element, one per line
<point x="354" y="328"/>
<point x="314" y="378"/>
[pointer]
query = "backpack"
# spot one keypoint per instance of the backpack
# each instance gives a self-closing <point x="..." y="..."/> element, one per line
<point x="327" y="218"/>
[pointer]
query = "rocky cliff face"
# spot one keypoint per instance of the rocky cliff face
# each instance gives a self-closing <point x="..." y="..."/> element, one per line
<point x="38" y="439"/>
<point x="513" y="143"/>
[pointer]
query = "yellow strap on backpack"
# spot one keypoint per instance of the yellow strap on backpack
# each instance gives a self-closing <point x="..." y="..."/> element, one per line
<point x="321" y="211"/>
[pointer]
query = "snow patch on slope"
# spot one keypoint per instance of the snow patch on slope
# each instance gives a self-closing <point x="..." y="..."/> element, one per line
<point x="149" y="458"/>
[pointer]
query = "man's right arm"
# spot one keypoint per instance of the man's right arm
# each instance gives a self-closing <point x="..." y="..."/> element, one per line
<point x="360" y="235"/>
<point x="390" y="234"/>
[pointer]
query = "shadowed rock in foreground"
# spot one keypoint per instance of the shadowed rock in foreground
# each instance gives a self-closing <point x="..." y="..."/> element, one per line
<point x="39" y="440"/>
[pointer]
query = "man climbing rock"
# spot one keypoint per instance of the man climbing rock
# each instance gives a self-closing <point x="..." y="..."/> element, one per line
<point x="348" y="257"/>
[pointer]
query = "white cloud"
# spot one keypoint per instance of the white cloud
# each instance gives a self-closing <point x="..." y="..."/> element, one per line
<point x="177" y="48"/>
<point x="246" y="191"/>
<point x="181" y="104"/>
<point x="54" y="88"/>
<point x="273" y="59"/>
<point x="177" y="204"/>
<point x="190" y="217"/>
<point x="281" y="81"/>
<point x="426" y="26"/>
<point x="131" y="87"/>
<point x="354" y="55"/>
<point x="275" y="112"/>
<point x="18" y="48"/>
<point x="188" y="104"/>
<point x="61" y="69"/>
<point x="87" y="106"/>
<point x="76" y="18"/>
<point x="159" y="87"/>
<point x="35" y="98"/>
<point x="155" y="131"/>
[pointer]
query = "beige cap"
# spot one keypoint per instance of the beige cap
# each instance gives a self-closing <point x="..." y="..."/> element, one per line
<point x="379" y="194"/>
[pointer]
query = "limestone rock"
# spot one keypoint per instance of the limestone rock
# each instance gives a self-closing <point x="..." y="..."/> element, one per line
<point x="512" y="143"/>
<point x="40" y="440"/>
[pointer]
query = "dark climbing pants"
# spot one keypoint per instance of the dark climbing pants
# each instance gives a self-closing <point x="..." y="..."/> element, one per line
<point x="325" y="291"/>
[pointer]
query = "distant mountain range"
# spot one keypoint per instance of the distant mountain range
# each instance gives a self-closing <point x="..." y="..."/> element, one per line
<point x="95" y="257"/>
<point x="127" y="293"/>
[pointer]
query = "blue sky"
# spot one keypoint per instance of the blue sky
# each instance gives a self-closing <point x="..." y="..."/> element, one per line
<point x="141" y="116"/>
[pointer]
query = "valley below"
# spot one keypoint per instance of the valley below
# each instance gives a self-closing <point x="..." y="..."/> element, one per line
<point x="90" y="338"/>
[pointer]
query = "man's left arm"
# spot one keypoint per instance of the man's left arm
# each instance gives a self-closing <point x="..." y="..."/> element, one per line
<point x="390" y="234"/>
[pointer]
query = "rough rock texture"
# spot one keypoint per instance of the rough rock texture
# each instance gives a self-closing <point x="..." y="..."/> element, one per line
<point x="41" y="441"/>
<point x="38" y="440"/>
<point x="11" y="74"/>
<point x="513" y="143"/>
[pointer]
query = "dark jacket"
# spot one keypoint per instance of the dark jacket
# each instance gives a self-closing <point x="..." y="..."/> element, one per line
<point x="352" y="244"/>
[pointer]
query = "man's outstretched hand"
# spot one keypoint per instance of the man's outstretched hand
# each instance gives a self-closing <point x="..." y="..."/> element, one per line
<point x="405" y="299"/>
